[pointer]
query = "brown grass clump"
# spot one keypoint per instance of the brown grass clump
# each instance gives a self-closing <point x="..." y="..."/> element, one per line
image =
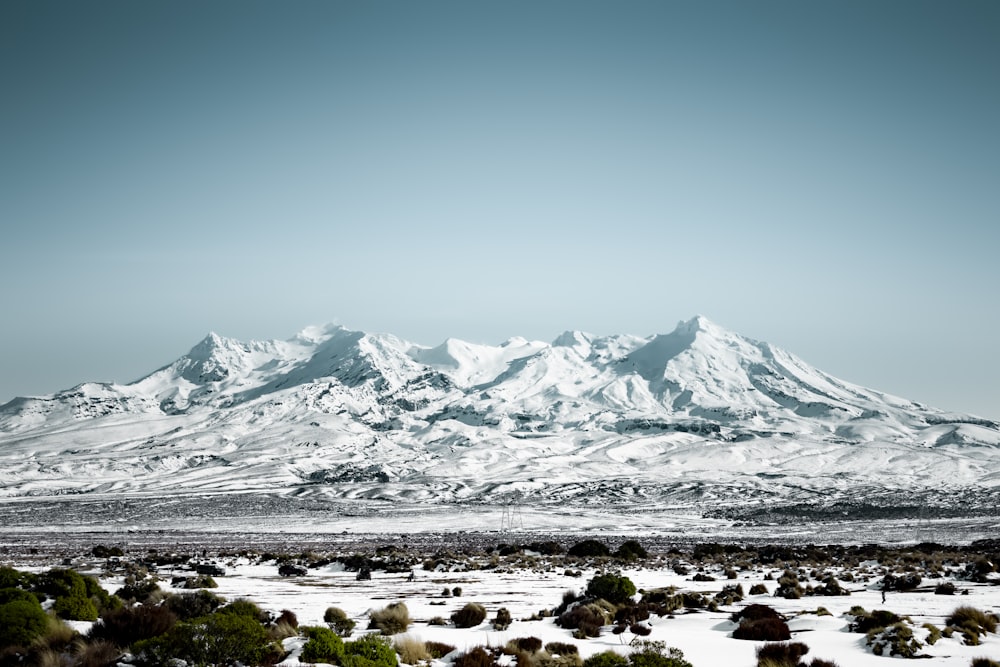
<point x="477" y="657"/>
<point x="972" y="623"/>
<point x="469" y="616"/>
<point x="412" y="651"/>
<point x="438" y="650"/>
<point x="391" y="620"/>
<point x="99" y="653"/>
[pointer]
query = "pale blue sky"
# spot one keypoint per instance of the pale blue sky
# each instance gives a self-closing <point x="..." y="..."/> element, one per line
<point x="821" y="175"/>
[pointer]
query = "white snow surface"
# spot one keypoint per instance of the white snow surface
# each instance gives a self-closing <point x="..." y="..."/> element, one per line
<point x="615" y="419"/>
<point x="704" y="636"/>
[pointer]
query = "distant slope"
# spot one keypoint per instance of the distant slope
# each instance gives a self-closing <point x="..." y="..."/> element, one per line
<point x="699" y="415"/>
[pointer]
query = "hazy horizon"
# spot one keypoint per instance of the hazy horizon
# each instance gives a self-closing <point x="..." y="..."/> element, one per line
<point x="820" y="176"/>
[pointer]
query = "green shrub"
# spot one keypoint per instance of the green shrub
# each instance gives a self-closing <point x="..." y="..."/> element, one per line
<point x="140" y="591"/>
<point x="11" y="594"/>
<point x="21" y="622"/>
<point x="214" y="640"/>
<point x="897" y="638"/>
<point x="392" y="619"/>
<point x="369" y="651"/>
<point x="11" y="578"/>
<point x="245" y="608"/>
<point x="324" y="645"/>
<point x="606" y="659"/>
<point x="73" y="608"/>
<point x="338" y="620"/>
<point x="631" y="550"/>
<point x="59" y="582"/>
<point x="193" y="605"/>
<point x="656" y="654"/>
<point x="865" y="621"/>
<point x="611" y="587"/>
<point x="123" y="627"/>
<point x="469" y="616"/>
<point x="589" y="549"/>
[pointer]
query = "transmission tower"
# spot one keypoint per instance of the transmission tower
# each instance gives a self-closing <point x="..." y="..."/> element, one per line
<point x="511" y="519"/>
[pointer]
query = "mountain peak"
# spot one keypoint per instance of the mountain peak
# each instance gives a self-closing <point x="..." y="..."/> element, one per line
<point x="698" y="323"/>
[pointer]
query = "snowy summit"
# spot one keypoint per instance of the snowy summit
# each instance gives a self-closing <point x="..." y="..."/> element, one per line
<point x="700" y="414"/>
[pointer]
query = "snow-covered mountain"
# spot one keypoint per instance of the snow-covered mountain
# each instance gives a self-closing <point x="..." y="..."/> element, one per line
<point x="697" y="415"/>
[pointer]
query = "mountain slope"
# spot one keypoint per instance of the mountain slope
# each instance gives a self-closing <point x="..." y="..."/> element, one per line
<point x="697" y="415"/>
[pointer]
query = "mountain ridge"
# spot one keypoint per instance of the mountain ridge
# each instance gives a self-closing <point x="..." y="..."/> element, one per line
<point x="352" y="415"/>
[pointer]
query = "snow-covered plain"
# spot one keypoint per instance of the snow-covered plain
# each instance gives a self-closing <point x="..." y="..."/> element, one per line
<point x="528" y="583"/>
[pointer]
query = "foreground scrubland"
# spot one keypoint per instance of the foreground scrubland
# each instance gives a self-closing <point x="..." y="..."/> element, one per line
<point x="596" y="603"/>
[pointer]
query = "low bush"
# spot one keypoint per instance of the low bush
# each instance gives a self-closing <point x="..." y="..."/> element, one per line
<point x="781" y="654"/>
<point x="788" y="586"/>
<point x="338" y="620"/>
<point x="502" y="620"/>
<point x="245" y="608"/>
<point x="830" y="587"/>
<point x="656" y="654"/>
<point x="611" y="587"/>
<point x="754" y="612"/>
<point x="631" y="550"/>
<point x="75" y="608"/>
<point x="526" y="644"/>
<point x="606" y="659"/>
<point x="369" y="651"/>
<point x="933" y="633"/>
<point x="97" y="653"/>
<point x="562" y="648"/>
<point x="193" y="605"/>
<point x="438" y="650"/>
<point x="758" y="589"/>
<point x="586" y="619"/>
<point x="123" y="627"/>
<point x="392" y="619"/>
<point x="897" y="638"/>
<point x="984" y="662"/>
<point x="763" y="630"/>
<point x="469" y="616"/>
<point x="324" y="645"/>
<point x="477" y="657"/>
<point x="865" y="621"/>
<point x="729" y="594"/>
<point x="589" y="549"/>
<point x="21" y="622"/>
<point x="138" y="590"/>
<point x="901" y="582"/>
<point x="213" y="640"/>
<point x="412" y="651"/>
<point x="972" y="623"/>
<point x="944" y="588"/>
